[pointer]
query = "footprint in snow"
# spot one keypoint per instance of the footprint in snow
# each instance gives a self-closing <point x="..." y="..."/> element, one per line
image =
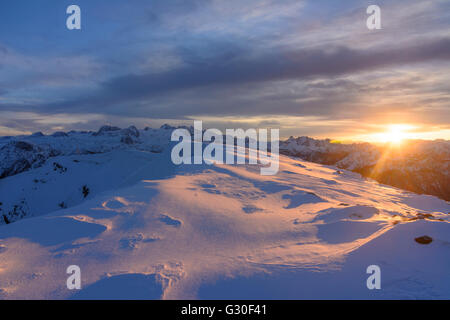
<point x="297" y="198"/>
<point x="358" y="212"/>
<point x="113" y="204"/>
<point x="210" y="188"/>
<point x="169" y="221"/>
<point x="288" y="172"/>
<point x="249" y="209"/>
<point x="131" y="286"/>
<point x="271" y="186"/>
<point x="130" y="242"/>
<point x="208" y="185"/>
<point x="329" y="182"/>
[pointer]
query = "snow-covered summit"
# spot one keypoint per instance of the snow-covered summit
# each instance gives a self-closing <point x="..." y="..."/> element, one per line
<point x="418" y="166"/>
<point x="141" y="228"/>
<point x="20" y="153"/>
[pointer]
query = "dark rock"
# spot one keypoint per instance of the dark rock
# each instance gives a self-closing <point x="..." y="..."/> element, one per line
<point x="19" y="156"/>
<point x="22" y="145"/>
<point x="424" y="240"/>
<point x="17" y="167"/>
<point x="131" y="131"/>
<point x="18" y="212"/>
<point x="85" y="190"/>
<point x="59" y="168"/>
<point x="425" y="216"/>
<point x="5" y="219"/>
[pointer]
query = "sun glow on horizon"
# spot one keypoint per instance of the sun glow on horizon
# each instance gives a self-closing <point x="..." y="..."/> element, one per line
<point x="395" y="134"/>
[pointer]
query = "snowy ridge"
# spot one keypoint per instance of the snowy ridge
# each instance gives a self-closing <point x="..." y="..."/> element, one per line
<point x="149" y="230"/>
<point x="62" y="169"/>
<point x="418" y="166"/>
<point x="20" y="153"/>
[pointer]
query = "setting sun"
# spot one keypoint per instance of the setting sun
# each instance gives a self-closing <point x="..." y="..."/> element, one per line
<point x="395" y="134"/>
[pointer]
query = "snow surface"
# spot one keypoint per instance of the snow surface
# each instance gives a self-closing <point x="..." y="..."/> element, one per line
<point x="420" y="166"/>
<point x="148" y="229"/>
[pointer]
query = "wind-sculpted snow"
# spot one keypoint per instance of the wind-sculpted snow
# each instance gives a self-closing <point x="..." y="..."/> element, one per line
<point x="418" y="166"/>
<point x="40" y="174"/>
<point x="150" y="230"/>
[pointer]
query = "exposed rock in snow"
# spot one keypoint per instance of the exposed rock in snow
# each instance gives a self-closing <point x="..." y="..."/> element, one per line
<point x="131" y="131"/>
<point x="19" y="156"/>
<point x="106" y="129"/>
<point x="424" y="240"/>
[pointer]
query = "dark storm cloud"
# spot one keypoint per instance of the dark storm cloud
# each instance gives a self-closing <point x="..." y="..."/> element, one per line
<point x="139" y="92"/>
<point x="276" y="66"/>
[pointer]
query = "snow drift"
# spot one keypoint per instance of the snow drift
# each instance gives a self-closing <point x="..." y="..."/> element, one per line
<point x="143" y="228"/>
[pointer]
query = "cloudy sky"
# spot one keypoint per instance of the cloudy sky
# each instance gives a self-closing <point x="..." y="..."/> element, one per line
<point x="306" y="67"/>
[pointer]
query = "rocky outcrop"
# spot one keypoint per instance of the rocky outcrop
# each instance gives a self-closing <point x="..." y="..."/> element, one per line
<point x="19" y="156"/>
<point x="105" y="130"/>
